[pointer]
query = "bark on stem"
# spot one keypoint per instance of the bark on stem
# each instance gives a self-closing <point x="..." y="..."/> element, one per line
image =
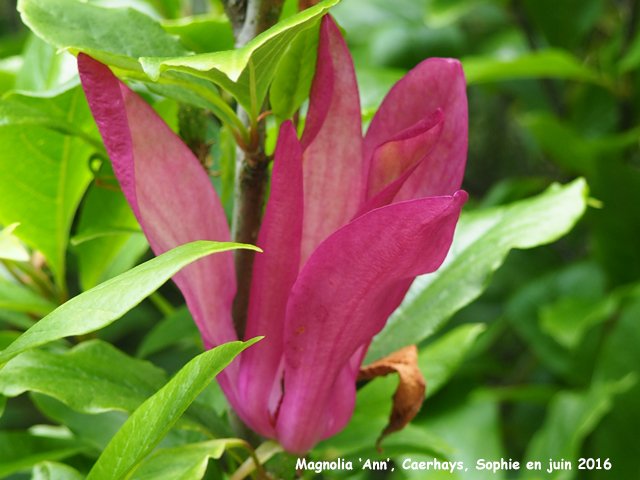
<point x="249" y="18"/>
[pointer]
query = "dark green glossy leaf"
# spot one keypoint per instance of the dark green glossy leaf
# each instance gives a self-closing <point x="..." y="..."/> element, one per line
<point x="110" y="300"/>
<point x="92" y="377"/>
<point x="153" y="419"/>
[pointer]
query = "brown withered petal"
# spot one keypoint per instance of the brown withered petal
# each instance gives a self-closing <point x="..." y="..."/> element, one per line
<point x="410" y="392"/>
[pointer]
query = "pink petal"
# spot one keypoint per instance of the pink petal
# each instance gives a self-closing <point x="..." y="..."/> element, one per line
<point x="395" y="156"/>
<point x="332" y="145"/>
<point x="395" y="161"/>
<point x="434" y="83"/>
<point x="274" y="273"/>
<point x="343" y="297"/>
<point x="170" y="193"/>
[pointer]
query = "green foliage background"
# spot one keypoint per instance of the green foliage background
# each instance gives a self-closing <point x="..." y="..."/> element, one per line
<point x="529" y="353"/>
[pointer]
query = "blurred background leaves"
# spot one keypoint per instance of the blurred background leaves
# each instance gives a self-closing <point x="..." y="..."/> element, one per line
<point x="544" y="363"/>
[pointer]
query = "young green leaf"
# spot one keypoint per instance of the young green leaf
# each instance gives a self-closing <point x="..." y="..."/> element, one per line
<point x="482" y="241"/>
<point x="250" y="67"/>
<point x="188" y="462"/>
<point x="107" y="302"/>
<point x="153" y="419"/>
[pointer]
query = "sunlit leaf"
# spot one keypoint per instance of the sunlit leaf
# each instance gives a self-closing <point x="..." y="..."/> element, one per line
<point x="233" y="69"/>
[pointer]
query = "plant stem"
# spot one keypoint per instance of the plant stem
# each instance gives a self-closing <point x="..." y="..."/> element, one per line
<point x="249" y="18"/>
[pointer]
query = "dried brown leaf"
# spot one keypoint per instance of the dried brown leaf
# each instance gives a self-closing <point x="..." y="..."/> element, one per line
<point x="410" y="392"/>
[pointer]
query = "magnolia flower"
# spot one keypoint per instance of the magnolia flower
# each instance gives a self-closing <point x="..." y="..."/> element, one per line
<point x="349" y="224"/>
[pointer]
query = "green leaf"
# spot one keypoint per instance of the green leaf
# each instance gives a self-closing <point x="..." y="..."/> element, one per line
<point x="440" y="360"/>
<point x="233" y="69"/>
<point x="374" y="402"/>
<point x="15" y="113"/>
<point x="9" y="69"/>
<point x="55" y="471"/>
<point x="292" y="81"/>
<point x="17" y="297"/>
<point x="43" y="189"/>
<point x="481" y="243"/>
<point x="583" y="280"/>
<point x="19" y="450"/>
<point x="92" y="377"/>
<point x="569" y="319"/>
<point x="115" y="36"/>
<point x="571" y="417"/>
<point x="175" y="328"/>
<point x="95" y="430"/>
<point x="110" y="300"/>
<point x="202" y="33"/>
<point x="473" y="431"/>
<point x="44" y="68"/>
<point x="107" y="231"/>
<point x="18" y="320"/>
<point x="188" y="462"/>
<point x="631" y="59"/>
<point x="551" y="63"/>
<point x="10" y="246"/>
<point x="153" y="419"/>
<point x="616" y="434"/>
<point x="571" y="150"/>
